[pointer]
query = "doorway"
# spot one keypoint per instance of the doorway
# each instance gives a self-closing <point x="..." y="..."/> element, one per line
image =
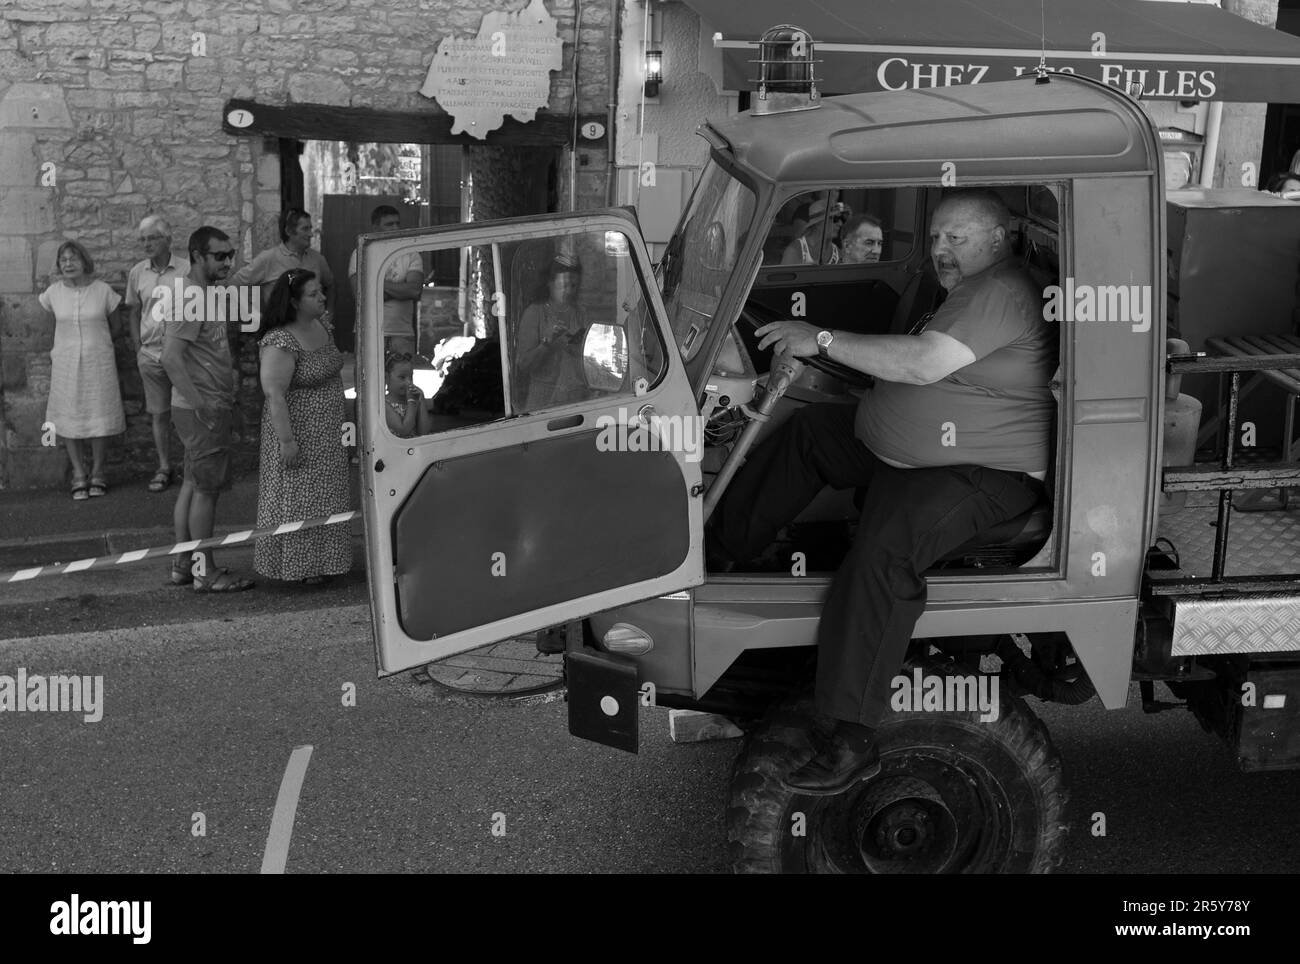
<point x="429" y="184"/>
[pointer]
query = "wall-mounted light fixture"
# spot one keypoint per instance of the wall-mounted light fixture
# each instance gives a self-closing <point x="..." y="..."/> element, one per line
<point x="654" y="72"/>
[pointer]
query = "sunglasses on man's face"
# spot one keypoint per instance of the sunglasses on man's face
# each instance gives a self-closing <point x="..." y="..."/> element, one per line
<point x="221" y="255"/>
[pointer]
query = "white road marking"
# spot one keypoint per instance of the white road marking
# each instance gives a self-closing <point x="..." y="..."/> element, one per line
<point x="286" y="806"/>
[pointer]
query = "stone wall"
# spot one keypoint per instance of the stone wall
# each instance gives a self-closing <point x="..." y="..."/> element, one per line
<point x="111" y="109"/>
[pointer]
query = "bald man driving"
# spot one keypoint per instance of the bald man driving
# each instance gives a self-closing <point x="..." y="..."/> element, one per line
<point x="953" y="439"/>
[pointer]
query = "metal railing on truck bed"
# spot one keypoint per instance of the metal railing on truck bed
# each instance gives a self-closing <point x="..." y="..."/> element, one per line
<point x="1226" y="478"/>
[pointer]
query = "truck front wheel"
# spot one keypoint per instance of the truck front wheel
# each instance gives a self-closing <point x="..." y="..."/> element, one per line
<point x="954" y="795"/>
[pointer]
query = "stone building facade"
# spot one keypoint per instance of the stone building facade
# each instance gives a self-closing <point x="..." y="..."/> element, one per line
<point x="112" y="109"/>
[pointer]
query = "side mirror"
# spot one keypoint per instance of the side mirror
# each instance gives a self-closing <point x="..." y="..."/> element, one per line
<point x="604" y="357"/>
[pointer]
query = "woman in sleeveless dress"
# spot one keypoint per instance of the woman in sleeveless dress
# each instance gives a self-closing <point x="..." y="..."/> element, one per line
<point x="304" y="470"/>
<point x="85" y="398"/>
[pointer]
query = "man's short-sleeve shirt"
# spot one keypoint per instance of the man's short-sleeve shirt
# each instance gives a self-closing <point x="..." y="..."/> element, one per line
<point x="267" y="266"/>
<point x="207" y="351"/>
<point x="998" y="410"/>
<point x="399" y="316"/>
<point x="142" y="292"/>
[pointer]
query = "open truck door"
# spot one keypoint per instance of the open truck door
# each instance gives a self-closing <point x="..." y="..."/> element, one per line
<point x="555" y="472"/>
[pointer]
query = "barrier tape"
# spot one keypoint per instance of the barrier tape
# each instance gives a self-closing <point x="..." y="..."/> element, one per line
<point x="139" y="555"/>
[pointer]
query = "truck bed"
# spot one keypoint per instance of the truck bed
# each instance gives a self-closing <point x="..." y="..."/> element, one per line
<point x="1259" y="544"/>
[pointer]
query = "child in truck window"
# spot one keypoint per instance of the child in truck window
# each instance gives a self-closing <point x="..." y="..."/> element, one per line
<point x="404" y="408"/>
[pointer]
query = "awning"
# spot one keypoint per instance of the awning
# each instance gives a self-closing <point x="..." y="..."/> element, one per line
<point x="1176" y="51"/>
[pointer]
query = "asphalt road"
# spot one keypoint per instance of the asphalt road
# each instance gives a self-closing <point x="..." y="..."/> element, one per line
<point x="205" y="699"/>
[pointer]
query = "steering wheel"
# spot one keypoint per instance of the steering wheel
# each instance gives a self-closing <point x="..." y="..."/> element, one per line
<point x="756" y="316"/>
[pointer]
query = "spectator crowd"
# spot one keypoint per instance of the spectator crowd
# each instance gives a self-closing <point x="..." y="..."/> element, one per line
<point x="182" y="351"/>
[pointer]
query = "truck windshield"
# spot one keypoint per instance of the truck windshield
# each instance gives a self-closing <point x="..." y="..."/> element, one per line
<point x="702" y="254"/>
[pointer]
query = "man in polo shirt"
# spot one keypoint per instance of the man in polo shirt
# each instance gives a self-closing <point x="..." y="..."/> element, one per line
<point x="196" y="354"/>
<point x="145" y="284"/>
<point x="953" y="439"/>
<point x="403" y="284"/>
<point x="294" y="251"/>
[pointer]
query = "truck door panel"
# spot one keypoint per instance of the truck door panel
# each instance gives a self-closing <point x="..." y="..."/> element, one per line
<point x="555" y="476"/>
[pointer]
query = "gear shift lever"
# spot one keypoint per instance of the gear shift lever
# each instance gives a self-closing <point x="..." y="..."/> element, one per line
<point x="785" y="369"/>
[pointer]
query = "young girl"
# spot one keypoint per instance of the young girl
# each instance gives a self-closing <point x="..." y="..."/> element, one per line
<point x="404" y="408"/>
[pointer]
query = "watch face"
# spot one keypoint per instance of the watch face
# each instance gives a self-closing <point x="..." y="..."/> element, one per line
<point x="824" y="338"/>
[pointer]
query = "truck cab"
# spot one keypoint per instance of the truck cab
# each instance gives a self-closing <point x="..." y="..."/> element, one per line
<point x="577" y="448"/>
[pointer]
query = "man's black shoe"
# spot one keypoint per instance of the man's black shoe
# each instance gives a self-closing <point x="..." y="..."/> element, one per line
<point x="835" y="769"/>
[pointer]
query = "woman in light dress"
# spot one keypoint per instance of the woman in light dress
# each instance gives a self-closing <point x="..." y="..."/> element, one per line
<point x="85" y="399"/>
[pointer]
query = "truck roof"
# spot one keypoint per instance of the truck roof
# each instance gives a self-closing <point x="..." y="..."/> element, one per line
<point x="1012" y="130"/>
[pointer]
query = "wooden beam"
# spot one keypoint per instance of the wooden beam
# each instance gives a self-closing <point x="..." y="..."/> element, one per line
<point x="322" y="122"/>
<point x="1258" y="475"/>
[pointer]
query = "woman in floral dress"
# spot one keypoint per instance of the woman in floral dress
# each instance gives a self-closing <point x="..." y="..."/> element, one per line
<point x="304" y="472"/>
<point x="85" y="399"/>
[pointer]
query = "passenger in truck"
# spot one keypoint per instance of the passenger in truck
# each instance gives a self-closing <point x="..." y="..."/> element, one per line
<point x="953" y="439"/>
<point x="817" y="227"/>
<point x="863" y="240"/>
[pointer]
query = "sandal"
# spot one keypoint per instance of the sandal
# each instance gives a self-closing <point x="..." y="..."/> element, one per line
<point x="161" y="479"/>
<point x="98" y="486"/>
<point x="80" y="489"/>
<point x="181" y="574"/>
<point x="223" y="581"/>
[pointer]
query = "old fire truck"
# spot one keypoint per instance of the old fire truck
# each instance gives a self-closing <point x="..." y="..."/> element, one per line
<point x="521" y="510"/>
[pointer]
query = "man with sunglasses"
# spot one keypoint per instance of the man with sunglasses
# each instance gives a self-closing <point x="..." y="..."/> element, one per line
<point x="149" y="280"/>
<point x="196" y="355"/>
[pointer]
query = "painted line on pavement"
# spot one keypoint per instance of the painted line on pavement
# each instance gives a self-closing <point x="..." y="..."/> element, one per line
<point x="286" y="806"/>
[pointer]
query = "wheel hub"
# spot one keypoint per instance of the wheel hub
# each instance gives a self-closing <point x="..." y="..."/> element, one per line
<point x="903" y="825"/>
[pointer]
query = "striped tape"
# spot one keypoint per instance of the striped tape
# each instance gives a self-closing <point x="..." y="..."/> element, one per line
<point x="138" y="555"/>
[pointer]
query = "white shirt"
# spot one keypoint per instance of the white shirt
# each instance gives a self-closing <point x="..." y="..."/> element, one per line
<point x="142" y="286"/>
<point x="399" y="319"/>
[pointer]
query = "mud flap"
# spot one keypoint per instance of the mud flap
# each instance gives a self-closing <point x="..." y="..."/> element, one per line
<point x="603" y="699"/>
<point x="1269" y="735"/>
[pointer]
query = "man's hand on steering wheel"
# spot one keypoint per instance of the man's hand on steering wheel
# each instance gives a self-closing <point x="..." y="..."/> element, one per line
<point x="797" y="337"/>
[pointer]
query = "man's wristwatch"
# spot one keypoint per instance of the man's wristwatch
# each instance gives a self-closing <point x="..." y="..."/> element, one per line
<point x="824" y="339"/>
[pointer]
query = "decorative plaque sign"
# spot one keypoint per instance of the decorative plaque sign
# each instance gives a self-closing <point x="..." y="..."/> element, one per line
<point x="503" y="72"/>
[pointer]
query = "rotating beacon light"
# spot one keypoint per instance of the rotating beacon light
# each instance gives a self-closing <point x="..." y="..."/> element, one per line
<point x="786" y="77"/>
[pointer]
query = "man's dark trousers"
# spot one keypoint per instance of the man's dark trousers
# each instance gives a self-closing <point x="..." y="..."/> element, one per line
<point x="911" y="518"/>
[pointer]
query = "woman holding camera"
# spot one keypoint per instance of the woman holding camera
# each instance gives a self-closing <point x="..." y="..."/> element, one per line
<point x="549" y="341"/>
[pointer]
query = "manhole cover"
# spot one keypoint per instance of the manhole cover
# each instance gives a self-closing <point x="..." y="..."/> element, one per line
<point x="512" y="667"/>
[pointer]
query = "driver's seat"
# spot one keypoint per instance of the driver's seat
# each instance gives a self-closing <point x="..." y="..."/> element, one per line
<point x="921" y="295"/>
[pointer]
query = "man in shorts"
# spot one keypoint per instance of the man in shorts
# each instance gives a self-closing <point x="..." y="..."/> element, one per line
<point x="144" y="287"/>
<point x="196" y="355"/>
